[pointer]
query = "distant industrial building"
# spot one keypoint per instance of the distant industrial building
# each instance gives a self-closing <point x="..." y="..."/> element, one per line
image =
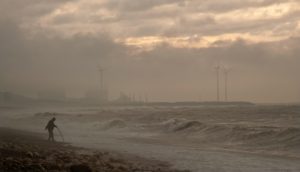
<point x="123" y="98"/>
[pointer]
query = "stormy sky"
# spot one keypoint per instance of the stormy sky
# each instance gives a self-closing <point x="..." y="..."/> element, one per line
<point x="167" y="49"/>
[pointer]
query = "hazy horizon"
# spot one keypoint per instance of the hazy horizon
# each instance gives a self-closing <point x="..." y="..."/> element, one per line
<point x="166" y="49"/>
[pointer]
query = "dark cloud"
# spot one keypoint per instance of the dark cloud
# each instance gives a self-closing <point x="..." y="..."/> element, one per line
<point x="29" y="64"/>
<point x="26" y="9"/>
<point x="137" y="5"/>
<point x="217" y="6"/>
<point x="207" y="25"/>
<point x="214" y="6"/>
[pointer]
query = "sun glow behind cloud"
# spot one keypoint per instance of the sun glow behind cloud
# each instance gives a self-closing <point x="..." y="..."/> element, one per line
<point x="275" y="11"/>
<point x="174" y="24"/>
<point x="198" y="42"/>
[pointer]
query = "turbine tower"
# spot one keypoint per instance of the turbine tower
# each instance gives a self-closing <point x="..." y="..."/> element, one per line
<point x="217" y="68"/>
<point x="146" y="98"/>
<point x="101" y="70"/>
<point x="226" y="71"/>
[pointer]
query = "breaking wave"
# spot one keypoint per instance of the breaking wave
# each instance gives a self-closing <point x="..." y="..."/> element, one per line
<point x="263" y="136"/>
<point x="111" y="124"/>
<point x="180" y="124"/>
<point x="48" y="114"/>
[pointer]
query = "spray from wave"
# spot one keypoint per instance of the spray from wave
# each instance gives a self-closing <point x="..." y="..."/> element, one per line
<point x="260" y="136"/>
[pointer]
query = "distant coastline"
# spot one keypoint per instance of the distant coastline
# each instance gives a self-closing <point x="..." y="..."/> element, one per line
<point x="187" y="103"/>
<point x="8" y="99"/>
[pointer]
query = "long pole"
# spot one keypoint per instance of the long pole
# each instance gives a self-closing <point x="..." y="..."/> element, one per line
<point x="61" y="135"/>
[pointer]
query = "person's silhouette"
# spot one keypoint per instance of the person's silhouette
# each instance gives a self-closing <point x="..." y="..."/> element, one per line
<point x="50" y="127"/>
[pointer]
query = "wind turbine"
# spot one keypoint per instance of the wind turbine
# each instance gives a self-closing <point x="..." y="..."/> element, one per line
<point x="217" y="68"/>
<point x="103" y="87"/>
<point x="226" y="71"/>
<point x="146" y="97"/>
<point x="101" y="70"/>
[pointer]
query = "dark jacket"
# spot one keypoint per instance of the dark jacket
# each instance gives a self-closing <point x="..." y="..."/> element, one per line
<point x="50" y="125"/>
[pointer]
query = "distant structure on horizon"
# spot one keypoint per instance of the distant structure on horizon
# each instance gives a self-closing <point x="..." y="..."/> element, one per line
<point x="130" y="99"/>
<point x="102" y="94"/>
<point x="123" y="98"/>
<point x="226" y="71"/>
<point x="217" y="68"/>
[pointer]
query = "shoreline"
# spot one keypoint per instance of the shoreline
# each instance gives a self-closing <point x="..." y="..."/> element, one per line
<point x="28" y="151"/>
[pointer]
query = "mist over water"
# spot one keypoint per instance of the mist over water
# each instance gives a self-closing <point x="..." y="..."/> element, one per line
<point x="257" y="135"/>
